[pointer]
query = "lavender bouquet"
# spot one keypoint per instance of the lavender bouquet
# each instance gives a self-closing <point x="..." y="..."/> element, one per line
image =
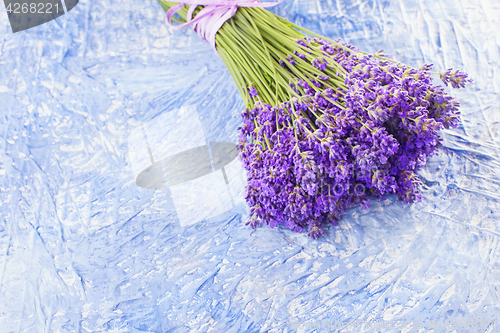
<point x="326" y="126"/>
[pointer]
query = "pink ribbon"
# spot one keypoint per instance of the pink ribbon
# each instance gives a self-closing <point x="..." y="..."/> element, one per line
<point x="209" y="20"/>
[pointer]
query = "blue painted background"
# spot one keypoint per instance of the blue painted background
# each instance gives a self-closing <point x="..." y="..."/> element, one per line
<point x="83" y="249"/>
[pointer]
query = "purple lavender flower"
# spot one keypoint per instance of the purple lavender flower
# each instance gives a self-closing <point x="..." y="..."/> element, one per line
<point x="333" y="146"/>
<point x="252" y="92"/>
<point x="457" y="78"/>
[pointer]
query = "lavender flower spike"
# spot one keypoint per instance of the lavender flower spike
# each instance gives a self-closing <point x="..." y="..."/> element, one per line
<point x="456" y="78"/>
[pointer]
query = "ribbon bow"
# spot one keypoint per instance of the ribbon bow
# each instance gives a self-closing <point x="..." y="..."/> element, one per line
<point x="209" y="20"/>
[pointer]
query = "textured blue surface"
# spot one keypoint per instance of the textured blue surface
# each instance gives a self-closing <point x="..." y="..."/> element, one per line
<point x="83" y="249"/>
